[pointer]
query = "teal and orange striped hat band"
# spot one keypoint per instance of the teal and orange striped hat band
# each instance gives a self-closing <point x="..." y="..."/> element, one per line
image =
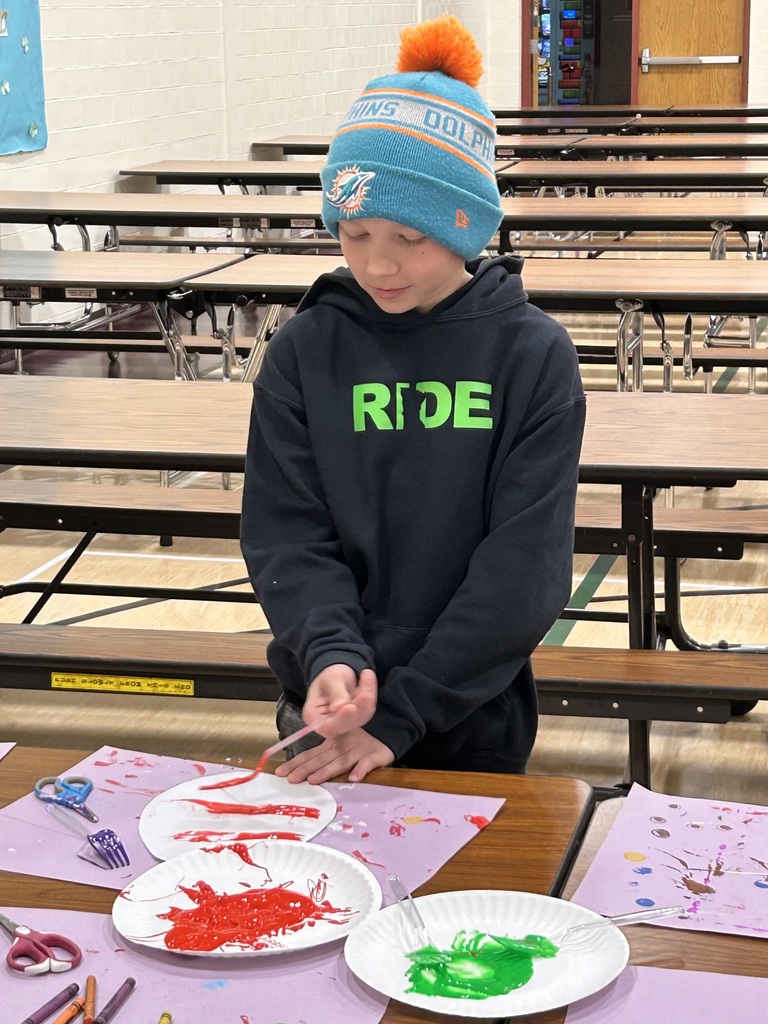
<point x="418" y="148"/>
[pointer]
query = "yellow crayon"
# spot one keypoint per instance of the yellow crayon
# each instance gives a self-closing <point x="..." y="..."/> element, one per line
<point x="165" y="1017"/>
<point x="71" y="1011"/>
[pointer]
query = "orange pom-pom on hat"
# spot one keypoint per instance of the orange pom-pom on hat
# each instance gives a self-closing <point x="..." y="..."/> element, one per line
<point x="441" y="45"/>
<point x="418" y="147"/>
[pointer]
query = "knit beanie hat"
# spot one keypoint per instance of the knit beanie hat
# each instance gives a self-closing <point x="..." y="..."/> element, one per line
<point x="418" y="147"/>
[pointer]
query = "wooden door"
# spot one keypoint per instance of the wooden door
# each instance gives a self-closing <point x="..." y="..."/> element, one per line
<point x="690" y="28"/>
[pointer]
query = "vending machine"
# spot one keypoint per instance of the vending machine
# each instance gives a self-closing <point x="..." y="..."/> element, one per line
<point x="567" y="37"/>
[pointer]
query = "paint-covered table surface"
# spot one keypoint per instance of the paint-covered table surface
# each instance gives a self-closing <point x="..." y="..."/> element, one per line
<point x="523" y="848"/>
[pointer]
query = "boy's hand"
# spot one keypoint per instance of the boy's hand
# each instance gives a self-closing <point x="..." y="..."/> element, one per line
<point x="338" y="701"/>
<point x="355" y="752"/>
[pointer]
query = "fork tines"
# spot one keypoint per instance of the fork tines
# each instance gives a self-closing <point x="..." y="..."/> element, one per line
<point x="109" y="848"/>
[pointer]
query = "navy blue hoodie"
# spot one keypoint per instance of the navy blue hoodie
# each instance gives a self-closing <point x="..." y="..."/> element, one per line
<point x="409" y="499"/>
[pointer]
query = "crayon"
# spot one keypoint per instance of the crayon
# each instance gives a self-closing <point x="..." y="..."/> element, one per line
<point x="52" y="1005"/>
<point x="165" y="1017"/>
<point x="90" y="999"/>
<point x="71" y="1011"/>
<point x="105" y="1016"/>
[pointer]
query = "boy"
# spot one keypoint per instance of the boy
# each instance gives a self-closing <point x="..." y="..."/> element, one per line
<point x="413" y="453"/>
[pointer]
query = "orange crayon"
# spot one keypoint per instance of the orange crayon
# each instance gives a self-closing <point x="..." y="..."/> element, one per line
<point x="71" y="1011"/>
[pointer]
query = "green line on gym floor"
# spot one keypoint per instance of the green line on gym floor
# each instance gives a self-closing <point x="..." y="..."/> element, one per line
<point x="580" y="598"/>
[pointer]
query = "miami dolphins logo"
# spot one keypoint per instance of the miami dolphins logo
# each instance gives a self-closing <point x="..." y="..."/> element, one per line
<point x="350" y="190"/>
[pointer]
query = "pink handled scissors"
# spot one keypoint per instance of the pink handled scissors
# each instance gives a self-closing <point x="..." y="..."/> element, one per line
<point x="34" y="952"/>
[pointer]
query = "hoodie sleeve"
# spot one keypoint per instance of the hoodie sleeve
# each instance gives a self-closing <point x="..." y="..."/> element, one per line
<point x="288" y="537"/>
<point x="518" y="581"/>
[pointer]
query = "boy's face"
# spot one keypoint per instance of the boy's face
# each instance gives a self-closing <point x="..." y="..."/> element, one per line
<point x="399" y="267"/>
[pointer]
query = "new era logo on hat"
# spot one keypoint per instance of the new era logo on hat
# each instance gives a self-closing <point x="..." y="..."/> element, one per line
<point x="462" y="220"/>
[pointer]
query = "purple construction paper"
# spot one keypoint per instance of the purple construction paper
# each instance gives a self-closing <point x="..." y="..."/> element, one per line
<point x="4" y="748"/>
<point x="708" y="856"/>
<point x="124" y="781"/>
<point x="393" y="831"/>
<point x="643" y="994"/>
<point x="313" y="987"/>
<point x="405" y="832"/>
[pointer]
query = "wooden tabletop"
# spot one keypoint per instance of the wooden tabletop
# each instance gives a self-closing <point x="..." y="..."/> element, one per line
<point x="585" y="125"/>
<point x="203" y="425"/>
<point x="161" y="271"/>
<point x="701" y="123"/>
<point x="291" y="145"/>
<point x="644" y="213"/>
<point x="155" y="424"/>
<point x="731" y="175"/>
<point x="594" y="285"/>
<point x="224" y="172"/>
<point x="154" y="208"/>
<point x="254" y="172"/>
<point x="700" y="144"/>
<point x="584" y="110"/>
<point x="691" y="213"/>
<point x="521" y="849"/>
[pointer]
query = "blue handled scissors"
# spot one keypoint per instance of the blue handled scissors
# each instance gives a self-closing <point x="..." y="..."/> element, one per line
<point x="34" y="952"/>
<point x="70" y="792"/>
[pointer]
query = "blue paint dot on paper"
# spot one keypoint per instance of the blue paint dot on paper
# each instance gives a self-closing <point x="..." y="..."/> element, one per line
<point x="761" y="884"/>
<point x="634" y="885"/>
<point x="643" y="871"/>
<point x="645" y="902"/>
<point x="212" y="985"/>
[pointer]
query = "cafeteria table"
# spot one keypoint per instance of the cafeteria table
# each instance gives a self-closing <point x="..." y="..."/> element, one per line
<point x="243" y="173"/>
<point x="562" y="124"/>
<point x="716" y="214"/>
<point x="715" y="144"/>
<point x="656" y="175"/>
<point x="154" y="209"/>
<point x="713" y="440"/>
<point x="527" y="847"/>
<point x="113" y="278"/>
<point x="317" y="145"/>
<point x="583" y="110"/>
<point x="676" y="124"/>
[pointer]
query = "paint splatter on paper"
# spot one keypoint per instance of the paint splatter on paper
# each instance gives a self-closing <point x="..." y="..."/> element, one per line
<point x="710" y="858"/>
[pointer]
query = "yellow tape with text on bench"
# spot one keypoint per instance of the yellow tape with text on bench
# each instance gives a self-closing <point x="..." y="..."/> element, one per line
<point x="123" y="684"/>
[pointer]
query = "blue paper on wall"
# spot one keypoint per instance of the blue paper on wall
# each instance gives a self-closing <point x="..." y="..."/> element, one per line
<point x="22" y="96"/>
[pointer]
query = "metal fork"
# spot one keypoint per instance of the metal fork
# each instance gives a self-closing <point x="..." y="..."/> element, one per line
<point x="104" y="848"/>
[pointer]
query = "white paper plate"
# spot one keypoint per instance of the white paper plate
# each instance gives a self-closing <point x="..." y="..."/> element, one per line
<point x="376" y="950"/>
<point x="171" y="824"/>
<point x="346" y="890"/>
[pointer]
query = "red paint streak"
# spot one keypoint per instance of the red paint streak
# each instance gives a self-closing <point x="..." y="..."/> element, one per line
<point x="119" y="949"/>
<point x="199" y="768"/>
<point x="433" y="819"/>
<point x="289" y="810"/>
<point x="239" y="848"/>
<point x="477" y="819"/>
<point x="140" y="762"/>
<point x="364" y="835"/>
<point x="245" y="1020"/>
<point x="396" y="829"/>
<point x="203" y="836"/>
<point x="373" y="863"/>
<point x="249" y="920"/>
<point x="130" y="776"/>
<point x="114" y="782"/>
<point x="240" y="780"/>
<point x="106" y="764"/>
